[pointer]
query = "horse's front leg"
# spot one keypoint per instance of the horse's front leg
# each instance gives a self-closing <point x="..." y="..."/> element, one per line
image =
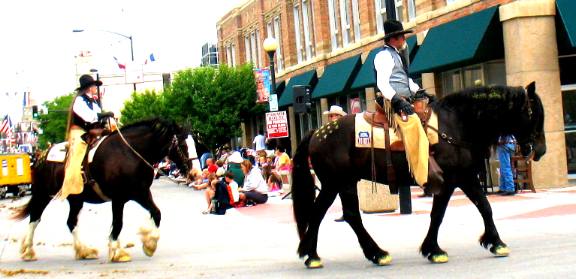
<point x="490" y="239"/>
<point x="430" y="246"/>
<point x="82" y="251"/>
<point x="308" y="244"/>
<point x="350" y="207"/>
<point x="115" y="251"/>
<point x="150" y="234"/>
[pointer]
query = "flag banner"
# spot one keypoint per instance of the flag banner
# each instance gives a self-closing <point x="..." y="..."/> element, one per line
<point x="263" y="83"/>
<point x="120" y="65"/>
<point x="152" y="58"/>
<point x="6" y="125"/>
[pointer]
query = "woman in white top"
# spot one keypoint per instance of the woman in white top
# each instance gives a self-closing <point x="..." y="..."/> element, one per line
<point x="255" y="188"/>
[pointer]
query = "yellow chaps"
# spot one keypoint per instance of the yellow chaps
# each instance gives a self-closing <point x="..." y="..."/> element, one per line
<point x="416" y="145"/>
<point x="73" y="182"/>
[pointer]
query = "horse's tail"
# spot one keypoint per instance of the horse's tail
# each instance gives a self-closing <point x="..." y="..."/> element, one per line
<point x="20" y="213"/>
<point x="303" y="192"/>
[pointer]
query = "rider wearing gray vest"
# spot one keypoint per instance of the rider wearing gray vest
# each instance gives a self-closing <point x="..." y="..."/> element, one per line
<point x="392" y="79"/>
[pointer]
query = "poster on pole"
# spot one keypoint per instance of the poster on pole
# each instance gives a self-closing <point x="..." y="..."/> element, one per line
<point x="277" y="124"/>
<point x="134" y="72"/>
<point x="262" y="77"/>
<point x="273" y="102"/>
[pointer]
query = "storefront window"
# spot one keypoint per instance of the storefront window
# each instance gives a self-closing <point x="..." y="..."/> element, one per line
<point x="490" y="73"/>
<point x="569" y="103"/>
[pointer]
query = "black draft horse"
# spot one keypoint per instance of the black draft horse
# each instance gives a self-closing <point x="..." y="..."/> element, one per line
<point x="471" y="120"/>
<point x="123" y="172"/>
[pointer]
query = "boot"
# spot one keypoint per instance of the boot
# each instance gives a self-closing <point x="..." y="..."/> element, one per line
<point x="435" y="179"/>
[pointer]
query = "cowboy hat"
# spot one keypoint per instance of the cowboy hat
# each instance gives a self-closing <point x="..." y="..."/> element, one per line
<point x="393" y="28"/>
<point x="86" y="81"/>
<point x="335" y="110"/>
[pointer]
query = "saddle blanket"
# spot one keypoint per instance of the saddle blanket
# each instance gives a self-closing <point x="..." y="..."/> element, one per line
<point x="58" y="151"/>
<point x="363" y="129"/>
<point x="363" y="135"/>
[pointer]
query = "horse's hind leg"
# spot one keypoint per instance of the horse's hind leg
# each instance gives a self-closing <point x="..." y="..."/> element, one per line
<point x="82" y="252"/>
<point x="115" y="251"/>
<point x="350" y="207"/>
<point x="151" y="234"/>
<point x="308" y="244"/>
<point x="490" y="239"/>
<point x="36" y="205"/>
<point x="430" y="246"/>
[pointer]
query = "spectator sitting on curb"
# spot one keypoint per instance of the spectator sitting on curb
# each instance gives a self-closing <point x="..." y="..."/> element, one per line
<point x="232" y="188"/>
<point x="255" y="189"/>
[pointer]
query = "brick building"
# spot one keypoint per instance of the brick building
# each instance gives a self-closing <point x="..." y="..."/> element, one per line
<point x="330" y="45"/>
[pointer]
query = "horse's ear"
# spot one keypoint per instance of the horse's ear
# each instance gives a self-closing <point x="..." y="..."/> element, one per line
<point x="531" y="88"/>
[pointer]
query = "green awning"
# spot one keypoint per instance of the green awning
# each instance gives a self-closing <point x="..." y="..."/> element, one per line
<point x="366" y="78"/>
<point x="337" y="77"/>
<point x="457" y="43"/>
<point x="567" y="13"/>
<point x="307" y="78"/>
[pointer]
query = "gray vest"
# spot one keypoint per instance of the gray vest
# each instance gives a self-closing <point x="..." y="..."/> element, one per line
<point x="399" y="77"/>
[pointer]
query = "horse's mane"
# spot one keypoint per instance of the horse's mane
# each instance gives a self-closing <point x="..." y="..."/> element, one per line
<point x="486" y="97"/>
<point x="159" y="125"/>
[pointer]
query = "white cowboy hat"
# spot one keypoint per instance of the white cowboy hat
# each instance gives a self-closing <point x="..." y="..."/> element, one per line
<point x="335" y="110"/>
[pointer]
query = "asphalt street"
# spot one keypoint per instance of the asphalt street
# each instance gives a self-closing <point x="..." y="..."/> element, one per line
<point x="261" y="241"/>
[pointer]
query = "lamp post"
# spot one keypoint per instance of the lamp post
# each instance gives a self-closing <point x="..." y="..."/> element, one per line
<point x="270" y="46"/>
<point x="121" y="35"/>
<point x="95" y="71"/>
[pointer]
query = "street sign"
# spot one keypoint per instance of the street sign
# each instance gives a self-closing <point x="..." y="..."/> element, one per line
<point x="277" y="124"/>
<point x="273" y="102"/>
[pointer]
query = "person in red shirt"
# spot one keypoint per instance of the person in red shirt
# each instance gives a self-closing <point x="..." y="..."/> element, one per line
<point x="212" y="168"/>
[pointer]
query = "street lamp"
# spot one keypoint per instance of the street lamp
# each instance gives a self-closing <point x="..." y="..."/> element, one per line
<point x="270" y="46"/>
<point x="121" y="35"/>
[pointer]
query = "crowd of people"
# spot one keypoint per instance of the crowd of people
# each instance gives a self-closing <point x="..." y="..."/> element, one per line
<point x="235" y="178"/>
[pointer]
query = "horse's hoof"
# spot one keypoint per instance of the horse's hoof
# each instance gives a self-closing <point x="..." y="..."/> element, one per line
<point x="121" y="257"/>
<point x="384" y="260"/>
<point x="314" y="263"/>
<point x="500" y="251"/>
<point x="440" y="258"/>
<point x="149" y="239"/>
<point x="27" y="253"/>
<point x="86" y="253"/>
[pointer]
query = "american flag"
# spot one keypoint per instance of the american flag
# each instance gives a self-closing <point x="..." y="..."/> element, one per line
<point x="6" y="126"/>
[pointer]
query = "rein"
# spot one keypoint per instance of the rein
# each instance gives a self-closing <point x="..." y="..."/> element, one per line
<point x="133" y="150"/>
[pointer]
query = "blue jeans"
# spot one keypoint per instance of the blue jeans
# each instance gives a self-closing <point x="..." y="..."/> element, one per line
<point x="506" y="178"/>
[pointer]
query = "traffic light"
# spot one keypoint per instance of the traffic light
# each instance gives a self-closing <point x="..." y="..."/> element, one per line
<point x="35" y="112"/>
<point x="301" y="101"/>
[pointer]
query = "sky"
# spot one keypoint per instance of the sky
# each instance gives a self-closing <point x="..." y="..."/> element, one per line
<point x="38" y="46"/>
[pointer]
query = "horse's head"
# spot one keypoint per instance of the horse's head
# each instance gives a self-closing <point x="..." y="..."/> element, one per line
<point x="178" y="150"/>
<point x="529" y="129"/>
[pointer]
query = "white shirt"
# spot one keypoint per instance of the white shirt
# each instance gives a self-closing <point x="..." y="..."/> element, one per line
<point x="260" y="142"/>
<point x="383" y="63"/>
<point x="255" y="181"/>
<point x="234" y="189"/>
<point x="83" y="110"/>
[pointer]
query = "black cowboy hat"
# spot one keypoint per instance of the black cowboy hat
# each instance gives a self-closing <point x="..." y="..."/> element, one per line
<point x="86" y="81"/>
<point x="393" y="28"/>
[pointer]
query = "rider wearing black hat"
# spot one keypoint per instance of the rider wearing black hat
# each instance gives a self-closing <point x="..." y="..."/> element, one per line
<point x="392" y="79"/>
<point x="84" y="119"/>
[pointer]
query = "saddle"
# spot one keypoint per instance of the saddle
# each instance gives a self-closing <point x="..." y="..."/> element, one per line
<point x="382" y="118"/>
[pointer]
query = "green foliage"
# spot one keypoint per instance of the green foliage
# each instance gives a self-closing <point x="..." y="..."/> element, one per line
<point x="209" y="102"/>
<point x="142" y="106"/>
<point x="53" y="123"/>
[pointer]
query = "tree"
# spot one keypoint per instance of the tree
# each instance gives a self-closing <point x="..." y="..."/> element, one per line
<point x="142" y="106"/>
<point x="53" y="123"/>
<point x="212" y="103"/>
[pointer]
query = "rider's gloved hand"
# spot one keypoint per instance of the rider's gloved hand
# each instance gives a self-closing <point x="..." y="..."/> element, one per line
<point x="401" y="105"/>
<point x="105" y="114"/>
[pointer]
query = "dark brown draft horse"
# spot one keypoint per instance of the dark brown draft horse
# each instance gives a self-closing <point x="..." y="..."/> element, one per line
<point x="123" y="172"/>
<point x="471" y="121"/>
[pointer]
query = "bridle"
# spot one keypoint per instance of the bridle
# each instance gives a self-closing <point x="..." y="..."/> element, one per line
<point x="175" y="144"/>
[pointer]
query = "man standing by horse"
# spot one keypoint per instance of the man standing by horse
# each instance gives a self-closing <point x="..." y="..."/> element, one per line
<point x="392" y="78"/>
<point x="83" y="125"/>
